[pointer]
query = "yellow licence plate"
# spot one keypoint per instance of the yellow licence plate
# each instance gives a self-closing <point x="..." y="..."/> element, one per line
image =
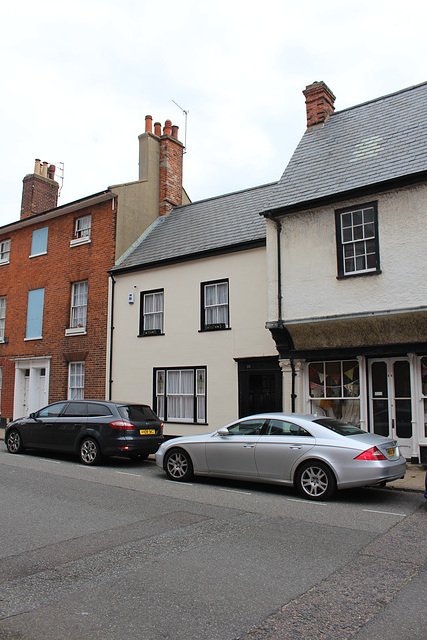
<point x="147" y="432"/>
<point x="391" y="451"/>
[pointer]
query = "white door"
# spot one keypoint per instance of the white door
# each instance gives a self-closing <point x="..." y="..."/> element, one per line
<point x="391" y="401"/>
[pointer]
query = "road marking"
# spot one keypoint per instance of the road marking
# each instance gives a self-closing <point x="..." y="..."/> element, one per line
<point x="246" y="493"/>
<point x="387" y="513"/>
<point x="124" y="473"/>
<point x="321" y="504"/>
<point x="51" y="461"/>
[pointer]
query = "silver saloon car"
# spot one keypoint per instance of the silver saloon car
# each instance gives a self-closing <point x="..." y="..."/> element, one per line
<point x="317" y="455"/>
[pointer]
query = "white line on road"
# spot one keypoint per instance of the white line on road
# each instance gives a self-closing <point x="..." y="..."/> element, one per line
<point x="320" y="504"/>
<point x="124" y="473"/>
<point x="246" y="493"/>
<point x="387" y="513"/>
<point x="52" y="461"/>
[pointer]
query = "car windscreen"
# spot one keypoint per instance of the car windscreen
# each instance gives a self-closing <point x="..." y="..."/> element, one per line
<point x="137" y="413"/>
<point x="343" y="428"/>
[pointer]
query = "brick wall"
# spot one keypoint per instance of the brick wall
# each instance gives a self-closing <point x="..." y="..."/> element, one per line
<point x="55" y="272"/>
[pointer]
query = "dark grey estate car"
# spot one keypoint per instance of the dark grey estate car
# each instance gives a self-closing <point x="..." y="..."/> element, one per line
<point x="90" y="428"/>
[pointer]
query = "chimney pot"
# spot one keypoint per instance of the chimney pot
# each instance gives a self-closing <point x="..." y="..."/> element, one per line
<point x="51" y="172"/>
<point x="167" y="129"/>
<point x="175" y="131"/>
<point x="37" y="167"/>
<point x="319" y="101"/>
<point x="157" y="129"/>
<point x="148" y="124"/>
<point x="44" y="169"/>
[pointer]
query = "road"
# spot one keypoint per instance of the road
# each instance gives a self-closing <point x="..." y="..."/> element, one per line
<point x="118" y="551"/>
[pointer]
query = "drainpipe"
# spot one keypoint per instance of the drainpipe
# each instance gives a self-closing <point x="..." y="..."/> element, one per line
<point x="110" y="366"/>
<point x="280" y="323"/>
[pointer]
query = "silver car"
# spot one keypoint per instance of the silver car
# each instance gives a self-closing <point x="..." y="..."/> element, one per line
<point x="317" y="455"/>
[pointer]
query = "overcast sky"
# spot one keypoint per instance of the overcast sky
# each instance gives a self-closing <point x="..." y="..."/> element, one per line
<point x="78" y="79"/>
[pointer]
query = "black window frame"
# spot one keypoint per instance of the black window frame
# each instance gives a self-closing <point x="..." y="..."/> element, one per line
<point x="197" y="419"/>
<point x="150" y="332"/>
<point x="340" y="244"/>
<point x="216" y="326"/>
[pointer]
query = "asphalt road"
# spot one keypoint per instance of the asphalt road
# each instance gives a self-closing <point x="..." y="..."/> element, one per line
<point x="118" y="551"/>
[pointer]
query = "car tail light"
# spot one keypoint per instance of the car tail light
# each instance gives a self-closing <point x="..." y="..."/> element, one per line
<point x="371" y="454"/>
<point x="161" y="428"/>
<point x="122" y="424"/>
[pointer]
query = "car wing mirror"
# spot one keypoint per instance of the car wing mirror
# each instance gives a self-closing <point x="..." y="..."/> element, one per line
<point x="33" y="416"/>
<point x="223" y="432"/>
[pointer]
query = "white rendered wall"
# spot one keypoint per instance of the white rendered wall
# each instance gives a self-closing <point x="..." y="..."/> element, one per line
<point x="309" y="260"/>
<point x="183" y="344"/>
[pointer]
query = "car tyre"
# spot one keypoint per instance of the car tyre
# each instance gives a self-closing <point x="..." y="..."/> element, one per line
<point x="178" y="465"/>
<point x="14" y="442"/>
<point x="315" y="481"/>
<point x="89" y="451"/>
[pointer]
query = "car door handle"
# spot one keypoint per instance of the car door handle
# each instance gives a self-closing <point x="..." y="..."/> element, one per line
<point x="296" y="447"/>
<point x="248" y="446"/>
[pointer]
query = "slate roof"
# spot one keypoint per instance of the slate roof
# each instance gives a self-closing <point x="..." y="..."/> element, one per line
<point x="220" y="224"/>
<point x="374" y="142"/>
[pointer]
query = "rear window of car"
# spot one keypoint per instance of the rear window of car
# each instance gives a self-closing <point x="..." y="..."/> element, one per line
<point x="137" y="412"/>
<point x="343" y="428"/>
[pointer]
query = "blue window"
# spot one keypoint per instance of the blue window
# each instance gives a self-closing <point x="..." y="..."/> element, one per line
<point x="35" y="314"/>
<point x="39" y="241"/>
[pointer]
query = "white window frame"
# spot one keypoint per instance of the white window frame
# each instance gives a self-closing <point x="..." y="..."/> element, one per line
<point x="180" y="394"/>
<point x="215" y="305"/>
<point x="152" y="312"/>
<point x="76" y="380"/>
<point x="78" y="314"/>
<point x="2" y="317"/>
<point x="82" y="231"/>
<point x="5" y="251"/>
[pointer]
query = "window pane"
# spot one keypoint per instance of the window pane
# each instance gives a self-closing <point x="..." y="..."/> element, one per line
<point x="79" y="305"/>
<point x="4" y="250"/>
<point x="153" y="311"/>
<point x="35" y="313"/>
<point x="2" y="316"/>
<point x="39" y="241"/>
<point x="76" y="380"/>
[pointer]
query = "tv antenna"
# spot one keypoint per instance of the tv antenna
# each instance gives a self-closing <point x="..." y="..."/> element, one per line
<point x="185" y="112"/>
<point x="61" y="176"/>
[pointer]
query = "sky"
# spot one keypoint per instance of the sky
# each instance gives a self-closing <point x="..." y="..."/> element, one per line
<point x="78" y="79"/>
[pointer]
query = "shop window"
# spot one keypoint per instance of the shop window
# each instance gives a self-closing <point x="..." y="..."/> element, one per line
<point x="335" y="389"/>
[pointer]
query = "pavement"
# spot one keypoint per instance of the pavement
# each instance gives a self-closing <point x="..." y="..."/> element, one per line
<point x="414" y="479"/>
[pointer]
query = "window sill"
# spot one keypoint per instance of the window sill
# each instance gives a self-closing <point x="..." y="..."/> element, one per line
<point x="362" y="274"/>
<point x="36" y="255"/>
<point x="79" y="241"/>
<point x="34" y="338"/>
<point x="77" y="331"/>
<point x="4" y="262"/>
<point x="214" y="327"/>
<point x="151" y="332"/>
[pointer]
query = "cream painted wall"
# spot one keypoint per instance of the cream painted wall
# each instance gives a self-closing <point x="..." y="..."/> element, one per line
<point x="309" y="263"/>
<point x="183" y="344"/>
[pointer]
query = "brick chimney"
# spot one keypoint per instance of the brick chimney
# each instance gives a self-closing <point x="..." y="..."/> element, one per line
<point x="170" y="162"/>
<point x="40" y="190"/>
<point x="319" y="101"/>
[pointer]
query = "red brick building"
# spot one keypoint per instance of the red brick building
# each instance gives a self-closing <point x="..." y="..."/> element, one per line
<point x="54" y="280"/>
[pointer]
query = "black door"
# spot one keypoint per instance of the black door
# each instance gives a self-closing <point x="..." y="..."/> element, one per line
<point x="260" y="386"/>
